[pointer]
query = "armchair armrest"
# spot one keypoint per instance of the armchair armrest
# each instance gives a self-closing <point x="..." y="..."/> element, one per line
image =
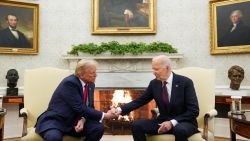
<point x="24" y="114"/>
<point x="208" y="116"/>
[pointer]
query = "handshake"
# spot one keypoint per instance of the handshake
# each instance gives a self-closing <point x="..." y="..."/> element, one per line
<point x="114" y="112"/>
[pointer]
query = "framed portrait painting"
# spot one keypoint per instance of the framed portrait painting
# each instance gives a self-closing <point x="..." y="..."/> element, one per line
<point x="229" y="26"/>
<point x="123" y="16"/>
<point x="19" y="27"/>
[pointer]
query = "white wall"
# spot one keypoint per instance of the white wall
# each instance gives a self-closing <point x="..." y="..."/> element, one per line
<point x="182" y="23"/>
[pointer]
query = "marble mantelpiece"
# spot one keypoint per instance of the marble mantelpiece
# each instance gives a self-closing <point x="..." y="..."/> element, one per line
<point x="122" y="71"/>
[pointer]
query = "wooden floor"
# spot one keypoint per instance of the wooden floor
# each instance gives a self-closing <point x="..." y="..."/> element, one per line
<point x="216" y="139"/>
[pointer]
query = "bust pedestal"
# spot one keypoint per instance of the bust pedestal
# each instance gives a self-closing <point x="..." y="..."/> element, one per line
<point x="12" y="91"/>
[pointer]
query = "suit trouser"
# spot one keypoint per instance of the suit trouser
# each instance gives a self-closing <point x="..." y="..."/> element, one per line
<point x="93" y="131"/>
<point x="181" y="131"/>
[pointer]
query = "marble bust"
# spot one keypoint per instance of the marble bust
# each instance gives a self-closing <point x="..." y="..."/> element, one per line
<point x="236" y="75"/>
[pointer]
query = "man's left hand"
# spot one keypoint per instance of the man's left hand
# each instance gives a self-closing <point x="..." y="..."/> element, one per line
<point x="165" y="127"/>
<point x="80" y="124"/>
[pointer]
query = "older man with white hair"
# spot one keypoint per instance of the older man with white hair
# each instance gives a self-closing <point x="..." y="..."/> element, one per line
<point x="176" y="99"/>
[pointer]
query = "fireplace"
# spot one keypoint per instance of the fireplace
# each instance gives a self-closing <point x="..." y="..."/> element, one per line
<point x="104" y="98"/>
<point x="129" y="73"/>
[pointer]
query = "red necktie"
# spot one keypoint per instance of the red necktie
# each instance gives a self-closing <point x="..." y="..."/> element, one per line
<point x="165" y="93"/>
<point x="85" y="93"/>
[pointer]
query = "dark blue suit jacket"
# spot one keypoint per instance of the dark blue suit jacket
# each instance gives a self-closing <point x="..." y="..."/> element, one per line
<point x="183" y="103"/>
<point x="66" y="107"/>
<point x="7" y="39"/>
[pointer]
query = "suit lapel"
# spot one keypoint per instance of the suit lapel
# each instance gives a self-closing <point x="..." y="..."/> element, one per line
<point x="13" y="38"/>
<point x="175" y="86"/>
<point x="79" y="85"/>
<point x="91" y="95"/>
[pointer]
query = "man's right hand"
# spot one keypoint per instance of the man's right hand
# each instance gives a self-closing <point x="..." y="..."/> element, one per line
<point x="165" y="127"/>
<point x="109" y="115"/>
<point x="116" y="111"/>
<point x="112" y="113"/>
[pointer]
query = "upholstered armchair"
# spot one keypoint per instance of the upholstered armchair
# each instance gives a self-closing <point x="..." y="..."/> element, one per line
<point x="39" y="85"/>
<point x="204" y="83"/>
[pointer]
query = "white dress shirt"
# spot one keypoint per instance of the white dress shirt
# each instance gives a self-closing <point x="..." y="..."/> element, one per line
<point x="14" y="32"/>
<point x="233" y="28"/>
<point x="169" y="89"/>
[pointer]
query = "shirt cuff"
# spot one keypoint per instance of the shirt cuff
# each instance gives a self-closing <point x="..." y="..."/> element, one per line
<point x="102" y="117"/>
<point x="119" y="109"/>
<point x="84" y="120"/>
<point x="174" y="122"/>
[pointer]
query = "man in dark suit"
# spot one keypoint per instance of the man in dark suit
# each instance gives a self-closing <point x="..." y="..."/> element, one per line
<point x="11" y="37"/>
<point x="177" y="102"/>
<point x="71" y="108"/>
<point x="237" y="34"/>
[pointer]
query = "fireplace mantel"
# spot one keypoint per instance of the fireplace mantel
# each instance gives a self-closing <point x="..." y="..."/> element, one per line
<point x="121" y="63"/>
<point x="122" y="71"/>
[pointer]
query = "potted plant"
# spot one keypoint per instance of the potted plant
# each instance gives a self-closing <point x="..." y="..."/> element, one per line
<point x="116" y="48"/>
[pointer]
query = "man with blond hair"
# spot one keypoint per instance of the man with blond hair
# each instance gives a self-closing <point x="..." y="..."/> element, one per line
<point x="71" y="108"/>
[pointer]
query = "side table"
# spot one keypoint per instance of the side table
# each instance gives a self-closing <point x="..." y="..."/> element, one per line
<point x="14" y="100"/>
<point x="239" y="124"/>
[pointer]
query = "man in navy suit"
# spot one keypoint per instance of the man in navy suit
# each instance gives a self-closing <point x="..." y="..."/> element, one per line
<point x="11" y="37"/>
<point x="71" y="108"/>
<point x="177" y="103"/>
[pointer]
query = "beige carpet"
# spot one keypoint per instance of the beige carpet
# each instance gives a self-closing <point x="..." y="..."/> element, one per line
<point x="104" y="138"/>
<point x="123" y="138"/>
<point x="117" y="138"/>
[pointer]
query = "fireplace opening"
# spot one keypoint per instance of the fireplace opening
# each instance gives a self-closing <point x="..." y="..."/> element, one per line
<point x="104" y="99"/>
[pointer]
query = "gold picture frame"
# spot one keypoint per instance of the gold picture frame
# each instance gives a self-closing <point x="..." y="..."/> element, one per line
<point x="123" y="17"/>
<point x="19" y="27"/>
<point x="229" y="26"/>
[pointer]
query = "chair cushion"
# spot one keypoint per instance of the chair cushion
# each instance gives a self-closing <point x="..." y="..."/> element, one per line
<point x="170" y="137"/>
<point x="33" y="136"/>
